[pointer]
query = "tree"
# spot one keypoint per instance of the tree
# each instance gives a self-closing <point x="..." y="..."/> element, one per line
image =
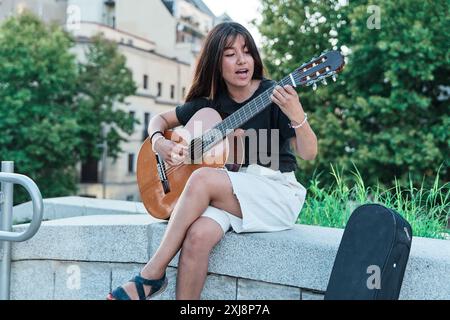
<point x="51" y="107"/>
<point x="104" y="80"/>
<point x="388" y="113"/>
<point x="38" y="129"/>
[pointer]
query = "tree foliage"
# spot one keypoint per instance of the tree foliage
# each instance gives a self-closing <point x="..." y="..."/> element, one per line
<point x="104" y="80"/>
<point x="52" y="107"/>
<point x="388" y="113"/>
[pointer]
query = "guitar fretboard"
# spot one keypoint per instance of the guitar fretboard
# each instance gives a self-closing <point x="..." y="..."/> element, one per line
<point x="238" y="118"/>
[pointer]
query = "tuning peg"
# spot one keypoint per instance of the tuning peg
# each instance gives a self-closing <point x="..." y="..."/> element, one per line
<point x="334" y="77"/>
<point x="324" y="81"/>
<point x="314" y="86"/>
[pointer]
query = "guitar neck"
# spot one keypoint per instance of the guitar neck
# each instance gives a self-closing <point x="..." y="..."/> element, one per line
<point x="238" y="118"/>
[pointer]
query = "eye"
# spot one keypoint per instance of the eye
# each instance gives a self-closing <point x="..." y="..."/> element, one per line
<point x="229" y="54"/>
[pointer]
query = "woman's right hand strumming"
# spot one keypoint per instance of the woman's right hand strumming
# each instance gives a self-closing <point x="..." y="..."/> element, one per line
<point x="172" y="153"/>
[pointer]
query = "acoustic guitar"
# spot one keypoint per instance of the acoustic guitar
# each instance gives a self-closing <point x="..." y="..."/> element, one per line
<point x="160" y="185"/>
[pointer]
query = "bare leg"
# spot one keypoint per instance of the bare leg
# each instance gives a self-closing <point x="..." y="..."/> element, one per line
<point x="201" y="238"/>
<point x="206" y="186"/>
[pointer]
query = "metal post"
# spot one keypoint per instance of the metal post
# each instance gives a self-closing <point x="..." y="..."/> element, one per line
<point x="104" y="160"/>
<point x="6" y="205"/>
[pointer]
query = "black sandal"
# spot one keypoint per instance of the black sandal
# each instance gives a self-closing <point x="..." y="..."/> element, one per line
<point x="157" y="287"/>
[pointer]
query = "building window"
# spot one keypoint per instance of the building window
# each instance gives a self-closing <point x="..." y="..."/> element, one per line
<point x="131" y="163"/>
<point x="89" y="171"/>
<point x="159" y="92"/>
<point x="132" y="114"/>
<point x="172" y="91"/>
<point x="145" y="82"/>
<point x="147" y="116"/>
<point x="130" y="197"/>
<point x="109" y="13"/>
<point x="146" y="119"/>
<point x="183" y="92"/>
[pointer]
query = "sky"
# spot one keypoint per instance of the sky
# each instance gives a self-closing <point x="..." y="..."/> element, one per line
<point x="242" y="11"/>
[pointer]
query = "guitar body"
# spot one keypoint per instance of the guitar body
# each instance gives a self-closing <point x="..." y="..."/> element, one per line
<point x="158" y="203"/>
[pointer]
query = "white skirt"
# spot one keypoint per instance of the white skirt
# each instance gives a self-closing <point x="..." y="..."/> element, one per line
<point x="270" y="201"/>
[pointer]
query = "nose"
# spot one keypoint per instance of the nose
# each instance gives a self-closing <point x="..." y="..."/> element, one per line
<point x="241" y="58"/>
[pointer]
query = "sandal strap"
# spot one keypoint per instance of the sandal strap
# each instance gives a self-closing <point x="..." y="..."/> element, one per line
<point x="120" y="294"/>
<point x="139" y="283"/>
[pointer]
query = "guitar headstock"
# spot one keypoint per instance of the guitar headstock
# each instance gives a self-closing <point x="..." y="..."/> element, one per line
<point x="328" y="64"/>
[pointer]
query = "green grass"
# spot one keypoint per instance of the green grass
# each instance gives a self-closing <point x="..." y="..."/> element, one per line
<point x="426" y="209"/>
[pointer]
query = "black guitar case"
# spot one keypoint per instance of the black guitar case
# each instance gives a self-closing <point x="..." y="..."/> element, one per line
<point x="372" y="256"/>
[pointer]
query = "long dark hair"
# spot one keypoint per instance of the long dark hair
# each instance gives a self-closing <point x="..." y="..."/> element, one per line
<point x="207" y="77"/>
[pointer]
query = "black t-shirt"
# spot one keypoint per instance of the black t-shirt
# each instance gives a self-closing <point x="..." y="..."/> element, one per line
<point x="278" y="158"/>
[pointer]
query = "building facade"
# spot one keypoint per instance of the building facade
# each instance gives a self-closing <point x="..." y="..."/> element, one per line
<point x="160" y="40"/>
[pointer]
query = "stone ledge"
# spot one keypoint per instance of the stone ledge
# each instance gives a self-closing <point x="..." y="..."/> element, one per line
<point x="300" y="258"/>
<point x="66" y="207"/>
<point x="105" y="238"/>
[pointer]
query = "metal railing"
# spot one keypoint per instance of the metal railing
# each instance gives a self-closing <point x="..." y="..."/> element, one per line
<point x="8" y="179"/>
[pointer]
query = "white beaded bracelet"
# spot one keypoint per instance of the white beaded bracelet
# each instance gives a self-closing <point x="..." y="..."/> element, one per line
<point x="301" y="124"/>
<point x="154" y="142"/>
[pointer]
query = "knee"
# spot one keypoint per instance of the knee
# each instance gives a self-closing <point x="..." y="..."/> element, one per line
<point x="198" y="181"/>
<point x="198" y="241"/>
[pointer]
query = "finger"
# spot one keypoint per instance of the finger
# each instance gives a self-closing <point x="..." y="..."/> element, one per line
<point x="184" y="152"/>
<point x="290" y="90"/>
<point x="281" y="91"/>
<point x="275" y="100"/>
<point x="279" y="96"/>
<point x="184" y="149"/>
<point x="178" y="149"/>
<point x="181" y="153"/>
<point x="176" y="156"/>
<point x="174" y="160"/>
<point x="170" y="162"/>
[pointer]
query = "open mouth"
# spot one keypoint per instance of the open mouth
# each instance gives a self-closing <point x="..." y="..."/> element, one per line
<point x="242" y="72"/>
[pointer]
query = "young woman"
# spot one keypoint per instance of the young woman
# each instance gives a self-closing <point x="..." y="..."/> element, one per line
<point x="229" y="74"/>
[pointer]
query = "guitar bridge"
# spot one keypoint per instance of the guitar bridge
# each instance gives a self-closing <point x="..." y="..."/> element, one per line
<point x="162" y="173"/>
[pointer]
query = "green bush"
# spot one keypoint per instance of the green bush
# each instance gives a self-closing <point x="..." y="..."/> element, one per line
<point x="427" y="210"/>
